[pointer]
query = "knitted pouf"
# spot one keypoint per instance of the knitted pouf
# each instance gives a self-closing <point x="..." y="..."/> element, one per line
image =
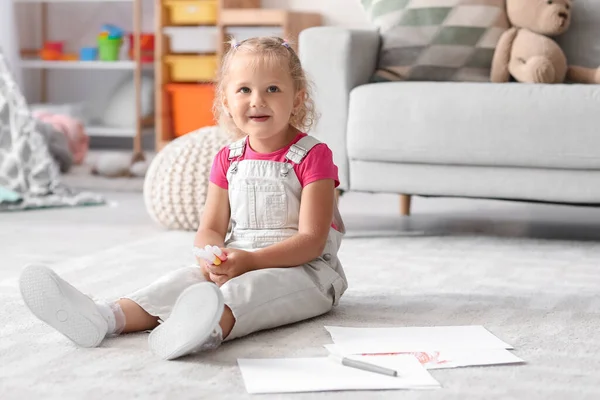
<point x="176" y="183"/>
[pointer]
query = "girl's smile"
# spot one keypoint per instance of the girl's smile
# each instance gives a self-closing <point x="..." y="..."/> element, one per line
<point x="260" y="118"/>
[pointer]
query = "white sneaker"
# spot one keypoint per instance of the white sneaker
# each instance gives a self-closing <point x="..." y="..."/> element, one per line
<point x="60" y="305"/>
<point x="193" y="324"/>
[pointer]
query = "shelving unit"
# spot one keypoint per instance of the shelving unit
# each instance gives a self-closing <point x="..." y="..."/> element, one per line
<point x="135" y="65"/>
<point x="229" y="14"/>
<point x="72" y="1"/>
<point x="42" y="64"/>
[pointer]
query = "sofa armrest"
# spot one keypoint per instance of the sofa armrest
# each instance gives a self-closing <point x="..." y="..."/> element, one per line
<point x="337" y="60"/>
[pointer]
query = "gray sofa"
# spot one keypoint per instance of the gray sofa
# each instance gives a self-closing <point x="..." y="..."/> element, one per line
<point x="483" y="140"/>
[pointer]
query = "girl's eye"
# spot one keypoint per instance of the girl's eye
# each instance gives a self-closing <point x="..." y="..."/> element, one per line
<point x="244" y="90"/>
<point x="272" y="89"/>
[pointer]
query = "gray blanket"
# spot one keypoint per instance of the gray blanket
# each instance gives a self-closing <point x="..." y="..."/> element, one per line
<point x="29" y="174"/>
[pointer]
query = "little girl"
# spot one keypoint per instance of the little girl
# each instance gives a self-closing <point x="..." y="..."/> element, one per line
<point x="276" y="184"/>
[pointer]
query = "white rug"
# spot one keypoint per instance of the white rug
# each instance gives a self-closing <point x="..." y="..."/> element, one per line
<point x="541" y="296"/>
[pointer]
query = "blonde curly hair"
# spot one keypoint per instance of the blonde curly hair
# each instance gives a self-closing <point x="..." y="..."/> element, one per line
<point x="272" y="48"/>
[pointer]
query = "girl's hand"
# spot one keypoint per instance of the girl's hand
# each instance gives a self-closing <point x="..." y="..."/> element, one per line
<point x="238" y="262"/>
<point x="205" y="272"/>
<point x="203" y="265"/>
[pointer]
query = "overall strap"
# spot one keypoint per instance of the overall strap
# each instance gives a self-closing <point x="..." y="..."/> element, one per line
<point x="236" y="149"/>
<point x="300" y="149"/>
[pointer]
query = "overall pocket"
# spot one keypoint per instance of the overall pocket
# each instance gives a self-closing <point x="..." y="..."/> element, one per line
<point x="259" y="206"/>
<point x="271" y="208"/>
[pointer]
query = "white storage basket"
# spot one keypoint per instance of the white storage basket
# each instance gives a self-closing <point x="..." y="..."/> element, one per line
<point x="203" y="39"/>
<point x="192" y="39"/>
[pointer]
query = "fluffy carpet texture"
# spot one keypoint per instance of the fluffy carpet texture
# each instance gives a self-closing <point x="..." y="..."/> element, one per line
<point x="540" y="296"/>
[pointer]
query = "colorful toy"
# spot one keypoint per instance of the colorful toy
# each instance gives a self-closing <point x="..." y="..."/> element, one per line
<point x="109" y="48"/>
<point x="146" y="46"/>
<point x="109" y="40"/>
<point x="112" y="31"/>
<point x="212" y="254"/>
<point x="69" y="57"/>
<point x="54" y="46"/>
<point x="52" y="51"/>
<point x="88" y="54"/>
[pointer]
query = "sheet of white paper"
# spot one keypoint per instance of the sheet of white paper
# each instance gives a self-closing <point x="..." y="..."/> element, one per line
<point x="410" y="339"/>
<point x="292" y="375"/>
<point x="451" y="358"/>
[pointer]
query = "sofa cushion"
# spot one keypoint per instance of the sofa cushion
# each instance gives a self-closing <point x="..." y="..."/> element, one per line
<point x="437" y="40"/>
<point x="581" y="42"/>
<point x="518" y="125"/>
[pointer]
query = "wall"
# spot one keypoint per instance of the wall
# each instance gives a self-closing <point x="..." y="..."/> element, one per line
<point x="346" y="13"/>
<point x="78" y="24"/>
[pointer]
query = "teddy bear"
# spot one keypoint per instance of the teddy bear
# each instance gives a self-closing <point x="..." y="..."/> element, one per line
<point x="526" y="51"/>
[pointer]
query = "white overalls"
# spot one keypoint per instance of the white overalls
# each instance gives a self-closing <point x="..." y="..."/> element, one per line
<point x="265" y="207"/>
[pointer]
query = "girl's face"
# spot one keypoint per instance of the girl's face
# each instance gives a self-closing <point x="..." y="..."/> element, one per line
<point x="260" y="96"/>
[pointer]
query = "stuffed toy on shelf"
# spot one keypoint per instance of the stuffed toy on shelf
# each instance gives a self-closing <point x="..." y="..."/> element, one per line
<point x="527" y="52"/>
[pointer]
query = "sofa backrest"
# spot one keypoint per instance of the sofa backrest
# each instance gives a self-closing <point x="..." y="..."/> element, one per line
<point x="581" y="43"/>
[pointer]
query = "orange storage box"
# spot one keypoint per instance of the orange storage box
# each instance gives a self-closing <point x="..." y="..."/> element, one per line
<point x="191" y="106"/>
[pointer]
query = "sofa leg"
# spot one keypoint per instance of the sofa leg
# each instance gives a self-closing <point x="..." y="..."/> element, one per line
<point x="405" y="204"/>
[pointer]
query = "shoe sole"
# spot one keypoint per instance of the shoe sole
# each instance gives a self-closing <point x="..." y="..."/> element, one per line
<point x="41" y="290"/>
<point x="195" y="315"/>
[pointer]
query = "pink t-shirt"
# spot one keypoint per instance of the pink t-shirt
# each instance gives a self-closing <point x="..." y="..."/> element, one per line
<point x="318" y="163"/>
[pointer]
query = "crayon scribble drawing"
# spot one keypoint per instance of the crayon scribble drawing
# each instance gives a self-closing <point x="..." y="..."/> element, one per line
<point x="430" y="359"/>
